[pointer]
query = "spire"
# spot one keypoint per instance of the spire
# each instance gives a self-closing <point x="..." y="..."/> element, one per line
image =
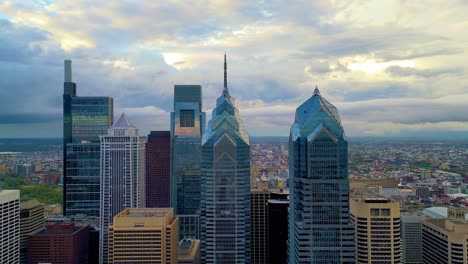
<point x="225" y="90"/>
<point x="123" y="123"/>
<point x="316" y="91"/>
<point x="68" y="70"/>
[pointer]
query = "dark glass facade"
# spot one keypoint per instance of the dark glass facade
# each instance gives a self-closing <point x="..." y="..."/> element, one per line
<point x="277" y="222"/>
<point x="319" y="222"/>
<point x="84" y="120"/>
<point x="187" y="125"/>
<point x="225" y="215"/>
<point x="158" y="169"/>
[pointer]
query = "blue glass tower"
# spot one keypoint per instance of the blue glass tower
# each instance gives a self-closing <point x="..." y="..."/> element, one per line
<point x="319" y="222"/>
<point x="187" y="125"/>
<point x="225" y="216"/>
<point x="84" y="120"/>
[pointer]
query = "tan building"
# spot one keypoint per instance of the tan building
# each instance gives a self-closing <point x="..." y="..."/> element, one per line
<point x="444" y="240"/>
<point x="366" y="183"/>
<point x="31" y="221"/>
<point x="377" y="230"/>
<point x="457" y="212"/>
<point x="145" y="235"/>
<point x="189" y="251"/>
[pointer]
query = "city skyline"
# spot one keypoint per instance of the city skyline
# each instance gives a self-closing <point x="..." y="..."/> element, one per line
<point x="384" y="68"/>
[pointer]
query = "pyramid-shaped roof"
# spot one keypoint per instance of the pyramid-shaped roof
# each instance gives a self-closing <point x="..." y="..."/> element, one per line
<point x="123" y="123"/>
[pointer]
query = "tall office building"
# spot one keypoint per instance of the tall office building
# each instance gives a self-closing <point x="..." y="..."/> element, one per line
<point x="84" y="120"/>
<point x="122" y="175"/>
<point x="158" y="169"/>
<point x="277" y="221"/>
<point x="411" y="237"/>
<point x="444" y="241"/>
<point x="146" y="235"/>
<point x="319" y="224"/>
<point x="31" y="221"/>
<point x="225" y="217"/>
<point x="258" y="225"/>
<point x="377" y="230"/>
<point x="10" y="226"/>
<point x="59" y="243"/>
<point x="187" y="126"/>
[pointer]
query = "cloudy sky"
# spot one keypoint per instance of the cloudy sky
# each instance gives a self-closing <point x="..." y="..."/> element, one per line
<point x="392" y="68"/>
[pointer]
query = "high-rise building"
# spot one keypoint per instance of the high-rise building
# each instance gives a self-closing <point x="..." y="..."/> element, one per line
<point x="84" y="120"/>
<point x="444" y="241"/>
<point x="258" y="225"/>
<point x="225" y="217"/>
<point x="122" y="175"/>
<point x="10" y="226"/>
<point x="158" y="169"/>
<point x="187" y="126"/>
<point x="31" y="221"/>
<point x="24" y="170"/>
<point x="145" y="235"/>
<point x="411" y="237"/>
<point x="377" y="230"/>
<point x="59" y="243"/>
<point x="319" y="224"/>
<point x="189" y="251"/>
<point x="277" y="221"/>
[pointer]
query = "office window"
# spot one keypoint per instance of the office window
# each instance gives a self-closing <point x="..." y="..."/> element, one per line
<point x="187" y="118"/>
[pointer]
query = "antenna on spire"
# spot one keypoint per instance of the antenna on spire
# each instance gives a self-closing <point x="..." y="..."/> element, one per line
<point x="225" y="90"/>
<point x="316" y="91"/>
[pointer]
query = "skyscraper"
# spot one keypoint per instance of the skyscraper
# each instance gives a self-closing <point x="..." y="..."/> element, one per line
<point x="158" y="169"/>
<point x="319" y="224"/>
<point x="277" y="220"/>
<point x="377" y="229"/>
<point x="444" y="241"/>
<point x="32" y="220"/>
<point x="84" y="120"/>
<point x="225" y="218"/>
<point x="144" y="235"/>
<point x="10" y="226"/>
<point x="258" y="225"/>
<point x="411" y="237"/>
<point x="187" y="126"/>
<point x="122" y="175"/>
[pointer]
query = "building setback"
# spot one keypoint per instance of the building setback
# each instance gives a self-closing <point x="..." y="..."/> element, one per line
<point x="444" y="241"/>
<point x="377" y="230"/>
<point x="225" y="216"/>
<point x="158" y="169"/>
<point x="62" y="243"/>
<point x="84" y="120"/>
<point x="32" y="220"/>
<point x="148" y="235"/>
<point x="187" y="126"/>
<point x="122" y="175"/>
<point x="319" y="224"/>
<point x="10" y="226"/>
<point x="189" y="251"/>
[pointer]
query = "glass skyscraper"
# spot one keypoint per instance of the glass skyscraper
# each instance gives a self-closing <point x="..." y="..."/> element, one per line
<point x="319" y="221"/>
<point x="84" y="120"/>
<point x="225" y="217"/>
<point x="187" y="126"/>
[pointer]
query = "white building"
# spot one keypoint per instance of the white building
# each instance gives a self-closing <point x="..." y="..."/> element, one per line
<point x="122" y="175"/>
<point x="9" y="226"/>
